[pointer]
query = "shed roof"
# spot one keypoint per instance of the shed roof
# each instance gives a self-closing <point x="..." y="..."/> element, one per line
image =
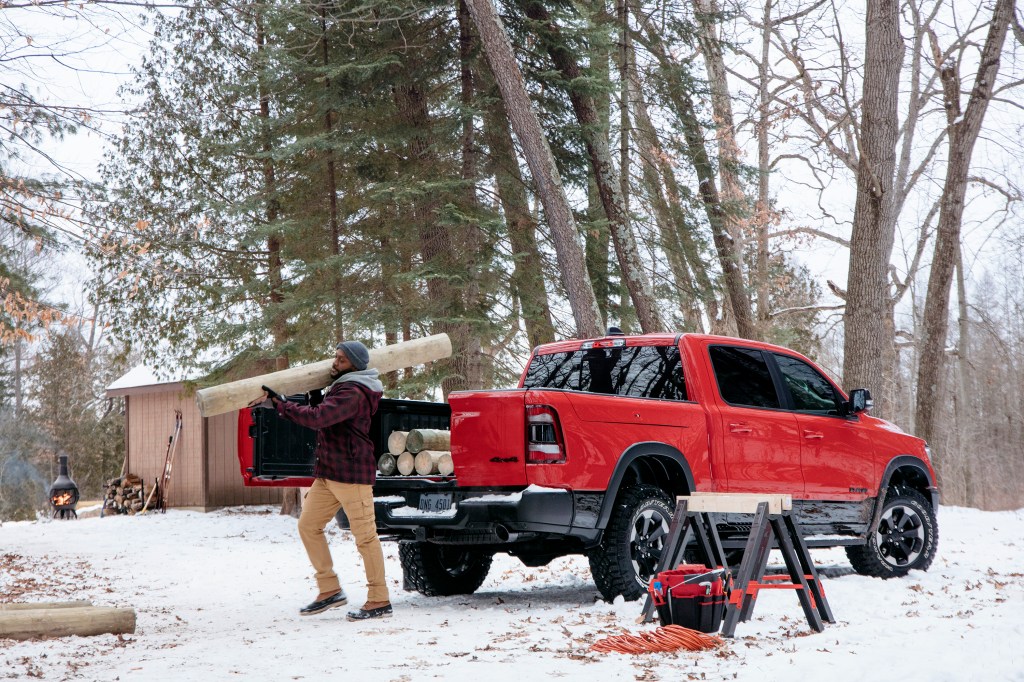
<point x="139" y="379"/>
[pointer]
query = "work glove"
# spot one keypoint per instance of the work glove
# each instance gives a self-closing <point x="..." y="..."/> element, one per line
<point x="316" y="397"/>
<point x="272" y="394"/>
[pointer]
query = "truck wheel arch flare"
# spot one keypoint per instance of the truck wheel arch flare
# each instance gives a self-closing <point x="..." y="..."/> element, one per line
<point x="656" y="454"/>
<point x="920" y="469"/>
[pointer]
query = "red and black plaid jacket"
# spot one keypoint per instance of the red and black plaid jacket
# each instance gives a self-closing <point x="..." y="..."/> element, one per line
<point x="344" y="451"/>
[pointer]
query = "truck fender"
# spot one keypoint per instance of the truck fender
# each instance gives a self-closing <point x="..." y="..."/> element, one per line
<point x="903" y="462"/>
<point x="639" y="451"/>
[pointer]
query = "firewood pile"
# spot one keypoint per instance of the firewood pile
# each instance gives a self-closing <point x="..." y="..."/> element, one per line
<point x="424" y="452"/>
<point x="127" y="495"/>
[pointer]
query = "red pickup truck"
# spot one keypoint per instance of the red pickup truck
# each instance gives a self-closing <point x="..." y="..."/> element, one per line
<point x="588" y="454"/>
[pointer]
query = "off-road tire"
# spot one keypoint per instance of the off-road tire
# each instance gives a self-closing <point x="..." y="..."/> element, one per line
<point x="632" y="543"/>
<point x="906" y="538"/>
<point x="443" y="570"/>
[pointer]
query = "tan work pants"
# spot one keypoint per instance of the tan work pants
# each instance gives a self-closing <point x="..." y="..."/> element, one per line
<point x="319" y="507"/>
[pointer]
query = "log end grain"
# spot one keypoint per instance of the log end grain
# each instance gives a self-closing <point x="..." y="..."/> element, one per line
<point x="406" y="463"/>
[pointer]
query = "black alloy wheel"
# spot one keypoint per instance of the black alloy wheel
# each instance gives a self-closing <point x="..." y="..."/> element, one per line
<point x="905" y="539"/>
<point x="900" y="535"/>
<point x="633" y="542"/>
<point x="647" y="541"/>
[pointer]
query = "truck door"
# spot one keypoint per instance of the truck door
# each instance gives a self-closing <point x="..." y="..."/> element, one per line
<point x="758" y="438"/>
<point x="837" y="454"/>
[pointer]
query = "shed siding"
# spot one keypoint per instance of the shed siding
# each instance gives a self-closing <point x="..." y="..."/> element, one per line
<point x="150" y="425"/>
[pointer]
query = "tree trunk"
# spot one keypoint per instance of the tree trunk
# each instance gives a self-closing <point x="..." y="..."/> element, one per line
<point x="702" y="290"/>
<point x="474" y="365"/>
<point x="542" y="166"/>
<point x="332" y="187"/>
<point x="966" y="427"/>
<point x="437" y="245"/>
<point x="278" y="319"/>
<point x="762" y="207"/>
<point x="725" y="246"/>
<point x="670" y="219"/>
<point x="962" y="136"/>
<point x="527" y="276"/>
<point x="734" y="201"/>
<point x="868" y="344"/>
<point x="608" y="181"/>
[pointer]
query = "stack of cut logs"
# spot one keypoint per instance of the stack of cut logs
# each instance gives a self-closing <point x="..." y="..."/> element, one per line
<point x="126" y="495"/>
<point x="427" y="452"/>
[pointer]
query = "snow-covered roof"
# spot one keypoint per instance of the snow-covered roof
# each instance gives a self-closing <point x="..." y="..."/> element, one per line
<point x="139" y="376"/>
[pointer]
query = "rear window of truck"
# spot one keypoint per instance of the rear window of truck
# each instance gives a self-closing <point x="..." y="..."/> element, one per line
<point x="637" y="372"/>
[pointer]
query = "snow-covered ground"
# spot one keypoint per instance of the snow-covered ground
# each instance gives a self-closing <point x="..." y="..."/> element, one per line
<point x="217" y="597"/>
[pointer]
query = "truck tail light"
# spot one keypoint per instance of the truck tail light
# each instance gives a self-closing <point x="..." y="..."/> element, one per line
<point x="544" y="442"/>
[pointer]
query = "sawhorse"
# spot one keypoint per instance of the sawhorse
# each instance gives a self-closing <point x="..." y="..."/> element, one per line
<point x="773" y="516"/>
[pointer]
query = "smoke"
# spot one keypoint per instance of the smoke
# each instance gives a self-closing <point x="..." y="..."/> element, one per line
<point x="23" y="486"/>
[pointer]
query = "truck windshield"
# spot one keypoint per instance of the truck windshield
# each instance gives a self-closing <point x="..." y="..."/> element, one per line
<point x="639" y="372"/>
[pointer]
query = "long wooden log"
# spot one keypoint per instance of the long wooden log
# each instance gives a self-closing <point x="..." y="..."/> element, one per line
<point x="396" y="442"/>
<point x="427" y="462"/>
<point x="406" y="463"/>
<point x="21" y="606"/>
<point x="387" y="464"/>
<point x="81" y="621"/>
<point x="303" y="378"/>
<point x="428" y="439"/>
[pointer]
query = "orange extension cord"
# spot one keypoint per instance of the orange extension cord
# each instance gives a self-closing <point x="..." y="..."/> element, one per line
<point x="668" y="638"/>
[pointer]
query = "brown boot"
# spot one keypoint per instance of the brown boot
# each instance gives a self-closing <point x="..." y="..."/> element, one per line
<point x="324" y="601"/>
<point x="372" y="609"/>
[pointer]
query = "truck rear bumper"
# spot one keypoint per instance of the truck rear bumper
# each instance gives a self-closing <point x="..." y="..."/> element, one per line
<point x="485" y="517"/>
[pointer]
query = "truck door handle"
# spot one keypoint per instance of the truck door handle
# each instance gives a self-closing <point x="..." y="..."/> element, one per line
<point x="739" y="428"/>
<point x="813" y="435"/>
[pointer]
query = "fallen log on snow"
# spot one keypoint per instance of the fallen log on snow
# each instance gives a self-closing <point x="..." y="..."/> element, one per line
<point x="303" y="378"/>
<point x="83" y="621"/>
<point x="22" y="606"/>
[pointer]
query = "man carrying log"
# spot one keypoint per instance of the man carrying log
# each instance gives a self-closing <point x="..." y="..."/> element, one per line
<point x="345" y="471"/>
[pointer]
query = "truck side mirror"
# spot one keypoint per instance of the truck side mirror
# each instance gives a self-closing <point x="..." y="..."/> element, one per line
<point x="860" y="400"/>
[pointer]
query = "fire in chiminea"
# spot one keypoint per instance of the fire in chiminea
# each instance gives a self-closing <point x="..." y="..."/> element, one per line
<point x="64" y="493"/>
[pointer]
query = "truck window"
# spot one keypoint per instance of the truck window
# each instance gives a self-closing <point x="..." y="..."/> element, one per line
<point x="743" y="377"/>
<point x="638" y="371"/>
<point x="811" y="391"/>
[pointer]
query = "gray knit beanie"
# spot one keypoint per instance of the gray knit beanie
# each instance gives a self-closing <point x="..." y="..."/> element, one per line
<point x="356" y="353"/>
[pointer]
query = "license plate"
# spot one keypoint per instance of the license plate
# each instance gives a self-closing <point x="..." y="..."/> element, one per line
<point x="435" y="502"/>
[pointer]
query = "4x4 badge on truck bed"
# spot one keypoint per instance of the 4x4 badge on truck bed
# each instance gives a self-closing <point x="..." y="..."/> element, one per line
<point x="503" y="460"/>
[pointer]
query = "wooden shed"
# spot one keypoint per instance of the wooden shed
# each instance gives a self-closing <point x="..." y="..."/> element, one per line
<point x="205" y="473"/>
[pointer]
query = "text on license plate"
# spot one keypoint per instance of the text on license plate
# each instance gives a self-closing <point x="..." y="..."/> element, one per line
<point x="435" y="502"/>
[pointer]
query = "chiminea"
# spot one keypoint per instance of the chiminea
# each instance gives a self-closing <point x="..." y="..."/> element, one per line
<point x="64" y="493"/>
